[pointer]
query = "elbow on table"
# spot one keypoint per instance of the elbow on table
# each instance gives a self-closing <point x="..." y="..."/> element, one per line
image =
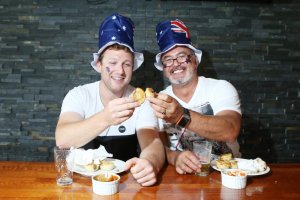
<point x="59" y="140"/>
<point x="231" y="139"/>
<point x="62" y="144"/>
<point x="234" y="134"/>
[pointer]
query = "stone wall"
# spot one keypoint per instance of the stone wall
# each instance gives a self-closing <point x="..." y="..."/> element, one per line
<point x="47" y="45"/>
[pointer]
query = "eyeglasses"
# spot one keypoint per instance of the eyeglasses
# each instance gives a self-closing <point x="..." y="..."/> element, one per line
<point x="180" y="59"/>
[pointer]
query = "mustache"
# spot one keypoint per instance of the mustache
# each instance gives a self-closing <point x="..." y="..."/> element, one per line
<point x="178" y="68"/>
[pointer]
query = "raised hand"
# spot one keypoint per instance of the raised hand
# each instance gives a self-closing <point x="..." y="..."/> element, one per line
<point x="119" y="110"/>
<point x="166" y="107"/>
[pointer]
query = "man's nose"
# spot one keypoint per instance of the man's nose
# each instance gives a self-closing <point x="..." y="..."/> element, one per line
<point x="176" y="63"/>
<point x="119" y="68"/>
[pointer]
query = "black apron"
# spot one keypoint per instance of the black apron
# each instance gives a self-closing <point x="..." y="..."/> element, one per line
<point x="122" y="147"/>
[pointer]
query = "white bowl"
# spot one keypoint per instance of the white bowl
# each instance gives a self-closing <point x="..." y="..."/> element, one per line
<point x="234" y="178"/>
<point x="105" y="184"/>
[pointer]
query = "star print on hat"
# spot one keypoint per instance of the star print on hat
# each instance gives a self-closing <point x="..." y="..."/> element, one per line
<point x="173" y="33"/>
<point x="117" y="29"/>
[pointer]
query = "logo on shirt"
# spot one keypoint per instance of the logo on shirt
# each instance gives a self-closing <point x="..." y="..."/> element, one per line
<point x="122" y="129"/>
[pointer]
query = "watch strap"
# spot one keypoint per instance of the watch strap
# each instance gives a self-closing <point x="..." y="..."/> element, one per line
<point x="185" y="119"/>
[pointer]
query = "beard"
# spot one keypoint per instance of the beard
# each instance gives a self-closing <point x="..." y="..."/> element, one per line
<point x="189" y="74"/>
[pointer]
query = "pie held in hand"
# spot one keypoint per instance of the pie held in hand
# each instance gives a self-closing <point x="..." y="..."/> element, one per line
<point x="140" y="95"/>
<point x="150" y="92"/>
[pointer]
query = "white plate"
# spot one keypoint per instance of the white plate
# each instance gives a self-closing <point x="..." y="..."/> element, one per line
<point x="213" y="165"/>
<point x="120" y="165"/>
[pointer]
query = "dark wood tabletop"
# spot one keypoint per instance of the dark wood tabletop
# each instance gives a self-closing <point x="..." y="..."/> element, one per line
<point x="36" y="180"/>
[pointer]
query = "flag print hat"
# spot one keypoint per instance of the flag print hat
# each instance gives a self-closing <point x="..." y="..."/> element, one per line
<point x="170" y="34"/>
<point x="117" y="29"/>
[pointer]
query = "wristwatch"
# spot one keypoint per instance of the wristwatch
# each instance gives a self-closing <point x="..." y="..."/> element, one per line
<point x="185" y="119"/>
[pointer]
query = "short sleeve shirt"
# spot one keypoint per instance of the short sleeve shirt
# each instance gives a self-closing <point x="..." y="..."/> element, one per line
<point x="85" y="100"/>
<point x="210" y="97"/>
<point x="118" y="139"/>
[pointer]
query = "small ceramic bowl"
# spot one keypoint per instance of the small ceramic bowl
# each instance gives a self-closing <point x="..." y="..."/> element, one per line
<point x="234" y="178"/>
<point x="105" y="184"/>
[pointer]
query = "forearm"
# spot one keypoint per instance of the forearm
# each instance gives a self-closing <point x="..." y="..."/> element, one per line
<point x="74" y="131"/>
<point x="171" y="156"/>
<point x="222" y="127"/>
<point x="155" y="153"/>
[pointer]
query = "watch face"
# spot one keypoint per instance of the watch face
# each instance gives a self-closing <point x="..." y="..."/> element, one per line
<point x="185" y="120"/>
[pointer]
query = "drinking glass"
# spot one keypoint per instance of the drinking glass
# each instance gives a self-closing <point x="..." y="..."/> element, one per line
<point x="202" y="149"/>
<point x="63" y="165"/>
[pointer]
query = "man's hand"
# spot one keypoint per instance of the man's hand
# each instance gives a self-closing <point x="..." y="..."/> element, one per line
<point x="166" y="107"/>
<point x="142" y="170"/>
<point x="187" y="162"/>
<point x="119" y="110"/>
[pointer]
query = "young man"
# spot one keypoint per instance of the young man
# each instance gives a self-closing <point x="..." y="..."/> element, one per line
<point x="192" y="107"/>
<point x="102" y="113"/>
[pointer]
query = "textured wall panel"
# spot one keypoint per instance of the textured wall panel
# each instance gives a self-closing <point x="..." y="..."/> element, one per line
<point x="46" y="47"/>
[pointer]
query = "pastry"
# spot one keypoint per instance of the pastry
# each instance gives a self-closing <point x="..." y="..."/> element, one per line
<point x="226" y="156"/>
<point x="150" y="92"/>
<point x="92" y="167"/>
<point x="225" y="161"/>
<point x="233" y="164"/>
<point x="107" y="165"/>
<point x="223" y="164"/>
<point x="138" y="95"/>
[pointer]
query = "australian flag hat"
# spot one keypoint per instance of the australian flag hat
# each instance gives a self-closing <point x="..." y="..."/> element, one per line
<point x="173" y="33"/>
<point x="117" y="29"/>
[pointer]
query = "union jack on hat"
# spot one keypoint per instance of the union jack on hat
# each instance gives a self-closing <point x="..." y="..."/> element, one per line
<point x="117" y="29"/>
<point x="170" y="34"/>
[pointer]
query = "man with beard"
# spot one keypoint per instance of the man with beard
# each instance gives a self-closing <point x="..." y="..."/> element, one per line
<point x="102" y="113"/>
<point x="193" y="107"/>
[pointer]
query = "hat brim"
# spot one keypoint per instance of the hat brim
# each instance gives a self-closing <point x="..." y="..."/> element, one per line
<point x="138" y="57"/>
<point x="158" y="64"/>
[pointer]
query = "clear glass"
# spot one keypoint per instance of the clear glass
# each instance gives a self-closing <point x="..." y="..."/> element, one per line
<point x="202" y="149"/>
<point x="63" y="166"/>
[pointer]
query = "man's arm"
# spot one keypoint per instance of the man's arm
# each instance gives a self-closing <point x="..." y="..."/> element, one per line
<point x="170" y="155"/>
<point x="184" y="162"/>
<point x="152" y="158"/>
<point x="73" y="130"/>
<point x="152" y="147"/>
<point x="224" y="126"/>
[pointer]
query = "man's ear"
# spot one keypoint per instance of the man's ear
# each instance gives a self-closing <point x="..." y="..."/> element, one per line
<point x="98" y="65"/>
<point x="197" y="61"/>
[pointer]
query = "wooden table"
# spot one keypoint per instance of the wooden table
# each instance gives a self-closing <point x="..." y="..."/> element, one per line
<point x="36" y="180"/>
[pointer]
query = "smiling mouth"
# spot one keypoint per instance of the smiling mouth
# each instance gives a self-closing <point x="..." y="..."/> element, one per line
<point x="117" y="78"/>
<point x="178" y="70"/>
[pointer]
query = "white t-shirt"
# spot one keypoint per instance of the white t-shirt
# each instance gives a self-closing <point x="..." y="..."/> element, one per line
<point x="120" y="140"/>
<point x="85" y="100"/>
<point x="210" y="97"/>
